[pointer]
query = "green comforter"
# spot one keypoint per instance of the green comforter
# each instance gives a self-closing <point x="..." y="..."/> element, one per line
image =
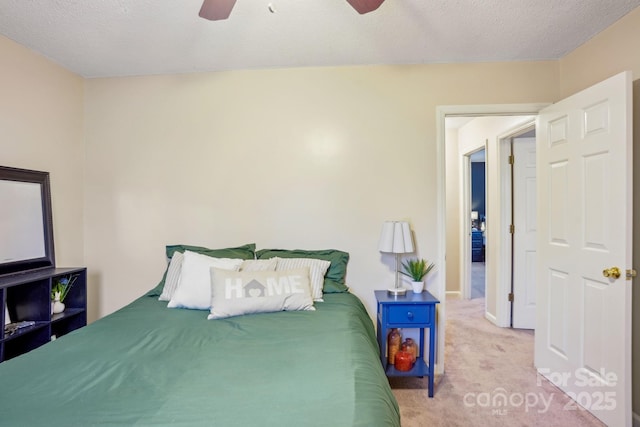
<point x="149" y="365"/>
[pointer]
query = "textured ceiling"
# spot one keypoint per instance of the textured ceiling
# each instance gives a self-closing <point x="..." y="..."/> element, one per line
<point x="137" y="37"/>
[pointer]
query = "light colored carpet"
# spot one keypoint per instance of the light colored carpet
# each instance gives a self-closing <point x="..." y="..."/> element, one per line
<point x="484" y="362"/>
<point x="478" y="274"/>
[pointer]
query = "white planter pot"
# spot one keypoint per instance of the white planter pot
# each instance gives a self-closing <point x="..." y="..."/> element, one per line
<point x="417" y="287"/>
<point x="56" y="305"/>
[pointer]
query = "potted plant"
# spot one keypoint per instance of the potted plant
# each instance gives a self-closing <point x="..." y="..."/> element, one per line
<point x="59" y="291"/>
<point x="417" y="269"/>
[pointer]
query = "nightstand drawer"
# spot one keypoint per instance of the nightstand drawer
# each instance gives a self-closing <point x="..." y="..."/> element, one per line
<point x="409" y="313"/>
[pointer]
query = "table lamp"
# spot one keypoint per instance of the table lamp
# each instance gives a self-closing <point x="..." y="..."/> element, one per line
<point x="474" y="219"/>
<point x="396" y="239"/>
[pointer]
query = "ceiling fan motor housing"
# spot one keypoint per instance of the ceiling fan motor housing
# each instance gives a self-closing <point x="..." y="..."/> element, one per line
<point x="215" y="10"/>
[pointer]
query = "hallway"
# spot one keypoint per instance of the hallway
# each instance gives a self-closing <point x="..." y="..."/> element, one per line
<point x="478" y="274"/>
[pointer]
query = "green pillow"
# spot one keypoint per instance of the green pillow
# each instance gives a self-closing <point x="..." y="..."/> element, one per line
<point x="243" y="252"/>
<point x="334" y="279"/>
<point x="331" y="287"/>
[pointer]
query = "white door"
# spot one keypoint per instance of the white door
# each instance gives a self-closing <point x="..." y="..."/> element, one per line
<point x="583" y="323"/>
<point x="524" y="237"/>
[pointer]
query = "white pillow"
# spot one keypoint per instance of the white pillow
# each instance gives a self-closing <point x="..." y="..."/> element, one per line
<point x="194" y="286"/>
<point x="245" y="292"/>
<point x="259" y="264"/>
<point x="317" y="269"/>
<point x="173" y="276"/>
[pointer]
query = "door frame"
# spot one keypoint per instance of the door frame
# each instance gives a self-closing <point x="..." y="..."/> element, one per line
<point x="442" y="112"/>
<point x="464" y="216"/>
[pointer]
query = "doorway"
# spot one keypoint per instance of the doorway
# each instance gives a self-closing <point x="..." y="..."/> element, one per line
<point x="449" y="280"/>
<point x="479" y="256"/>
<point x="584" y="142"/>
<point x="477" y="185"/>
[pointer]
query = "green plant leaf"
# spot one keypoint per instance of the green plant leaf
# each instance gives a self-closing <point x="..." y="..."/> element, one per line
<point x="63" y="285"/>
<point x="416" y="269"/>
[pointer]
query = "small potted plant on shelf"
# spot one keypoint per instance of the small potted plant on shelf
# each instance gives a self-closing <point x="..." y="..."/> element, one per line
<point x="59" y="291"/>
<point x="417" y="269"/>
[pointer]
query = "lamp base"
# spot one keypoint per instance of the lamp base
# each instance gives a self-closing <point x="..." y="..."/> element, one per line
<point x="397" y="291"/>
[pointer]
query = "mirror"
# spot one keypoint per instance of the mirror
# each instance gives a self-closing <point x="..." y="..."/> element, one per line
<point x="26" y="223"/>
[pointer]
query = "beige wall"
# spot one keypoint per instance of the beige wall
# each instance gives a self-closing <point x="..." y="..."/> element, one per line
<point x="612" y="51"/>
<point x="310" y="158"/>
<point x="41" y="112"/>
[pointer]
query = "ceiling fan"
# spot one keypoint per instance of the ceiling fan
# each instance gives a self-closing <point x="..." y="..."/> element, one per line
<point x="215" y="10"/>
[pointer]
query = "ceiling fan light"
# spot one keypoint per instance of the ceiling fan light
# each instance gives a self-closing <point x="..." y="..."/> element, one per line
<point x="215" y="10"/>
<point x="365" y="6"/>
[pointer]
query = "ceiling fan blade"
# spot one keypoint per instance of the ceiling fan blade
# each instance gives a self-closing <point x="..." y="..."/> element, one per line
<point x="365" y="6"/>
<point x="215" y="10"/>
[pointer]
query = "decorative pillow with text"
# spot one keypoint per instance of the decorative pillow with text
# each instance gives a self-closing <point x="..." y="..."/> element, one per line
<point x="237" y="293"/>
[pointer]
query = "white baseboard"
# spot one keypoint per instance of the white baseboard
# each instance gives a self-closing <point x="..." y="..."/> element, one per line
<point x="636" y="420"/>
<point x="491" y="318"/>
<point x="454" y="294"/>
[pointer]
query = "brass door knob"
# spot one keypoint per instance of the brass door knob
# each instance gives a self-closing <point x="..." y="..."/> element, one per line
<point x="613" y="272"/>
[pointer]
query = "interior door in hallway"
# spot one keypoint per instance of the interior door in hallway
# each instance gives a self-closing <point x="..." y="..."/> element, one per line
<point x="524" y="236"/>
<point x="583" y="323"/>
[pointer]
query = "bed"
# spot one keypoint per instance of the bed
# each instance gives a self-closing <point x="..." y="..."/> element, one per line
<point x="149" y="365"/>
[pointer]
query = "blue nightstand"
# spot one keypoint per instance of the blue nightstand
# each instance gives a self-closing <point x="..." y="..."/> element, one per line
<point x="408" y="311"/>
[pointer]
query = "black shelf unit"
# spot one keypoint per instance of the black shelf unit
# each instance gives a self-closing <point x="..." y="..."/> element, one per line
<point x="27" y="296"/>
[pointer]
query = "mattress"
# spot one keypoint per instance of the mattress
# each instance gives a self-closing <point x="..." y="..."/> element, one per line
<point x="149" y="365"/>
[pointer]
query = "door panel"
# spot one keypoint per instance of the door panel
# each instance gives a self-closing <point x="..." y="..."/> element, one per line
<point x="596" y="184"/>
<point x="594" y="326"/>
<point x="524" y="238"/>
<point x="559" y="295"/>
<point x="583" y="334"/>
<point x="558" y="193"/>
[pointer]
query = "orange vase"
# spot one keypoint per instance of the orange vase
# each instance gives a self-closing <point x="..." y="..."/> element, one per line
<point x="403" y="361"/>
<point x="395" y="339"/>
<point x="412" y="348"/>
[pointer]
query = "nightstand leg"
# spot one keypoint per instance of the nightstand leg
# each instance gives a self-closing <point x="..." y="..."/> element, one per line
<point x="432" y="358"/>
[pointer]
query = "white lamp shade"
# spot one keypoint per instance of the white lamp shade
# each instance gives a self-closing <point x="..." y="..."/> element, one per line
<point x="474" y="215"/>
<point x="396" y="238"/>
